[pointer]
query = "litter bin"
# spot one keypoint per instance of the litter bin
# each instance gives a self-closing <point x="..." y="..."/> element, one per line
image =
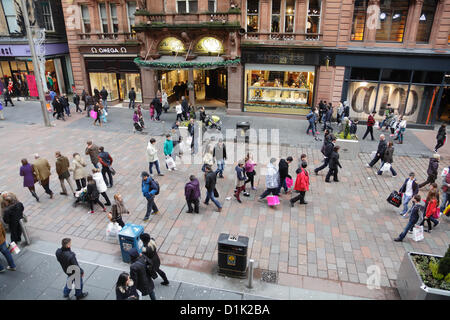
<point x="129" y="238"/>
<point x="242" y="131"/>
<point x="232" y="255"/>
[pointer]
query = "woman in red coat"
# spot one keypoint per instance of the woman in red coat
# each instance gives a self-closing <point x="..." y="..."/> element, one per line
<point x="301" y="184"/>
<point x="432" y="205"/>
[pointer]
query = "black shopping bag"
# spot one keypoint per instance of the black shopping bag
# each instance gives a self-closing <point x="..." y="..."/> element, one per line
<point x="395" y="199"/>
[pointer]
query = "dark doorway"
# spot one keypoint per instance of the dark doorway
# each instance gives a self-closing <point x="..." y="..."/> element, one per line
<point x="444" y="107"/>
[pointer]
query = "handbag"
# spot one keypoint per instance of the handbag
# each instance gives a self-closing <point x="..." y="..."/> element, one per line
<point x="386" y="167"/>
<point x="170" y="162"/>
<point x="216" y="193"/>
<point x="437" y="213"/>
<point x="113" y="172"/>
<point x="273" y="200"/>
<point x="395" y="199"/>
<point x="65" y="175"/>
<point x="93" y="114"/>
<point x="13" y="248"/>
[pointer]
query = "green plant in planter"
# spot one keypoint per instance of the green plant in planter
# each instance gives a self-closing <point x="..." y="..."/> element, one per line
<point x="345" y="133"/>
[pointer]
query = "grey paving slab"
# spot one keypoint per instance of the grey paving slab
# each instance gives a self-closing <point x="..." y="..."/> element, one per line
<point x="95" y="293"/>
<point x="167" y="292"/>
<point x="302" y="294"/>
<point x="52" y="294"/>
<point x="104" y="278"/>
<point x="224" y="295"/>
<point x="24" y="291"/>
<point x="9" y="281"/>
<point x="192" y="292"/>
<point x="253" y="297"/>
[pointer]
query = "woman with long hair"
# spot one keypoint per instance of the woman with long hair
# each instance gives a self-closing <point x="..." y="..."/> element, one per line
<point x="125" y="288"/>
<point x="117" y="210"/>
<point x="26" y="171"/>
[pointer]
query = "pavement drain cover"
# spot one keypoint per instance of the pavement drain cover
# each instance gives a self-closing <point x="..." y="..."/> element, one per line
<point x="269" y="276"/>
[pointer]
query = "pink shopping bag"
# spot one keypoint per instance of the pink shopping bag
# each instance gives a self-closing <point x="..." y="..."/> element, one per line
<point x="289" y="182"/>
<point x="273" y="200"/>
<point x="93" y="114"/>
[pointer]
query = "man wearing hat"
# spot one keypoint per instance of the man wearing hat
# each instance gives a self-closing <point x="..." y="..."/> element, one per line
<point x="139" y="275"/>
<point x="409" y="190"/>
<point x="150" y="251"/>
<point x="149" y="189"/>
<point x="432" y="171"/>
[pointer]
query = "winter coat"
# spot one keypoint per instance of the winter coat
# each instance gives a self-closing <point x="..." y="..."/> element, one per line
<point x="431" y="208"/>
<point x="41" y="169"/>
<point x="415" y="187"/>
<point x="26" y="172"/>
<point x="62" y="166"/>
<point x="178" y="109"/>
<point x="12" y="215"/>
<point x="149" y="187"/>
<point x="192" y="190"/>
<point x="389" y="155"/>
<point x="76" y="99"/>
<point x="208" y="159"/>
<point x="152" y="255"/>
<point x="141" y="279"/>
<point x="104" y="94"/>
<point x="327" y="148"/>
<point x="283" y="169"/>
<point x="442" y="133"/>
<point x="2" y="234"/>
<point x="117" y="212"/>
<point x="168" y="147"/>
<point x="93" y="153"/>
<point x="152" y="153"/>
<point x="92" y="191"/>
<point x="101" y="185"/>
<point x="105" y="159"/>
<point x="210" y="183"/>
<point x="240" y="176"/>
<point x="126" y="293"/>
<point x="381" y="147"/>
<point x="78" y="168"/>
<point x="370" y="121"/>
<point x="157" y="103"/>
<point x="272" y="177"/>
<point x="433" y="166"/>
<point x="220" y="152"/>
<point x="67" y="258"/>
<point x="302" y="181"/>
<point x="416" y="210"/>
<point x="249" y="166"/>
<point x="334" y="161"/>
<point x="132" y="95"/>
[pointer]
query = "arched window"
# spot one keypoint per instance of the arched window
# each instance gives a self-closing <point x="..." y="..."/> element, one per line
<point x="209" y="45"/>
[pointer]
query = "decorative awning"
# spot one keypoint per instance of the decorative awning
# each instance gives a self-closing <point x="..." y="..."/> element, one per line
<point x="179" y="62"/>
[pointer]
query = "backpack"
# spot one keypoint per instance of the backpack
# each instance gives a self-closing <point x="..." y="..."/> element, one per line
<point x="150" y="268"/>
<point x="157" y="187"/>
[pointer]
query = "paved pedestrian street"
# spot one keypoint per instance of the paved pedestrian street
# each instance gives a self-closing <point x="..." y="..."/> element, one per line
<point x="326" y="245"/>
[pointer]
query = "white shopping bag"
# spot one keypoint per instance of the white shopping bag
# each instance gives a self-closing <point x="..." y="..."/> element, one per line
<point x="112" y="232"/>
<point x="417" y="233"/>
<point x="444" y="172"/>
<point x="13" y="248"/>
<point x="377" y="125"/>
<point x="386" y="167"/>
<point x="170" y="162"/>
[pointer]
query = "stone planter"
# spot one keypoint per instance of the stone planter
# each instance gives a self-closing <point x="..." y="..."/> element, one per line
<point x="349" y="149"/>
<point x="410" y="285"/>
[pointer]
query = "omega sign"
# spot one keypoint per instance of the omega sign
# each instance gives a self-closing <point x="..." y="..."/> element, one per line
<point x="112" y="50"/>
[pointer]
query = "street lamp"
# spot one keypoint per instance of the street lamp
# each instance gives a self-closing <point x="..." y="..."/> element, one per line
<point x="36" y="66"/>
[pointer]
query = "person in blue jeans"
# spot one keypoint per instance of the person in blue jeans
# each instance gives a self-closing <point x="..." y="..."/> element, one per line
<point x="67" y="259"/>
<point x="388" y="158"/>
<point x="211" y="186"/>
<point x="149" y="189"/>
<point x="4" y="250"/>
<point x="409" y="189"/>
<point x="416" y="210"/>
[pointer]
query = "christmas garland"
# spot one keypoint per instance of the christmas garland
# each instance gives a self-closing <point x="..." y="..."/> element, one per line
<point x="186" y="64"/>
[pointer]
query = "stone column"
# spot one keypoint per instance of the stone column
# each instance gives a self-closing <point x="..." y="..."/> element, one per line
<point x="149" y="84"/>
<point x="411" y="32"/>
<point x="191" y="87"/>
<point x="235" y="83"/>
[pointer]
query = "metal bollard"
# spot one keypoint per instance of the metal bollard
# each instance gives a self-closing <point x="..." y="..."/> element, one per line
<point x="250" y="273"/>
<point x="25" y="231"/>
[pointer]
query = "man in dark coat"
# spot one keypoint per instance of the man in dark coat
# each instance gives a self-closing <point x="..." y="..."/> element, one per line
<point x="380" y="151"/>
<point x="416" y="210"/>
<point x="65" y="103"/>
<point x="370" y="123"/>
<point x="106" y="161"/>
<point x="210" y="186"/>
<point x="76" y="101"/>
<point x="191" y="130"/>
<point x="192" y="194"/>
<point x="432" y="171"/>
<point x="441" y="136"/>
<point x="283" y="169"/>
<point x="327" y="149"/>
<point x="138" y="273"/>
<point x="58" y="108"/>
<point x="96" y="95"/>
<point x="83" y="98"/>
<point x="333" y="165"/>
<point x="158" y="107"/>
<point x="150" y="251"/>
<point x="7" y="97"/>
<point x="93" y="151"/>
<point x="12" y="215"/>
<point x="132" y="97"/>
<point x="104" y="95"/>
<point x="68" y="259"/>
<point x="185" y="107"/>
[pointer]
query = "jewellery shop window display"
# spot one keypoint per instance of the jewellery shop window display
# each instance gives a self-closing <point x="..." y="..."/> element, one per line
<point x="276" y="86"/>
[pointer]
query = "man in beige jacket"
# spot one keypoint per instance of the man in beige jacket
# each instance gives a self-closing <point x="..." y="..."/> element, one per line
<point x="42" y="172"/>
<point x="62" y="169"/>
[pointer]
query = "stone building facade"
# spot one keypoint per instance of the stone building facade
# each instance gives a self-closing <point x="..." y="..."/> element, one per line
<point x="276" y="56"/>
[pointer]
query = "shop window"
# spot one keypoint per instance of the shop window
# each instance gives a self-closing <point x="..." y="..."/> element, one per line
<point x="10" y="15"/>
<point x="47" y="16"/>
<point x="313" y="22"/>
<point x="107" y="80"/>
<point x="212" y="6"/>
<point x="394" y="75"/>
<point x="276" y="7"/>
<point x="114" y="19"/>
<point x="5" y="68"/>
<point x="272" y="87"/>
<point x="289" y="16"/>
<point x="359" y="20"/>
<point x="252" y="15"/>
<point x="187" y="6"/>
<point x="86" y="25"/>
<point x="427" y="77"/>
<point x="365" y="74"/>
<point x="392" y="20"/>
<point x="103" y="17"/>
<point x="426" y="21"/>
<point x="131" y="9"/>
